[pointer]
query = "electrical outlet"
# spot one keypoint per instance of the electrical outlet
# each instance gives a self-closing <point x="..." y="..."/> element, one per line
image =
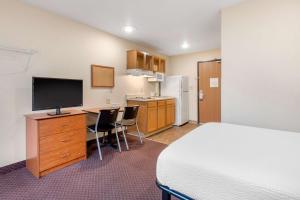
<point x="107" y="100"/>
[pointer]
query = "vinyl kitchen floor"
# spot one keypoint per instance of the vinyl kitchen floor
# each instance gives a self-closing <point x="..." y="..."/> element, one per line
<point x="172" y="134"/>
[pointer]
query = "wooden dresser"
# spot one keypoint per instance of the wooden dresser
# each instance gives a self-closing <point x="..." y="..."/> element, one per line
<point x="54" y="142"/>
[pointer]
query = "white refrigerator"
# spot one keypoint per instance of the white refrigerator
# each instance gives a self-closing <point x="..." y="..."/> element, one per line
<point x="178" y="87"/>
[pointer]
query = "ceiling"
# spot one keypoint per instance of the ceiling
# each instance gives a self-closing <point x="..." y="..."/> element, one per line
<point x="161" y="24"/>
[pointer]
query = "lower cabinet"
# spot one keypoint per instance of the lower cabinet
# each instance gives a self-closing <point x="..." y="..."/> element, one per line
<point x="161" y="114"/>
<point x="152" y="118"/>
<point x="155" y="115"/>
<point x="170" y="110"/>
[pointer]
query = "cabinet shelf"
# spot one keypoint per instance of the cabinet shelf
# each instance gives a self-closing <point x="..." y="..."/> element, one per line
<point x="140" y="60"/>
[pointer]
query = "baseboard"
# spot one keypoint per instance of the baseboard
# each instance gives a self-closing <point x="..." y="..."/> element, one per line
<point x="12" y="167"/>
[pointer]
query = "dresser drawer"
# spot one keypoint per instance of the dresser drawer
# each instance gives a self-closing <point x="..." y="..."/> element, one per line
<point x="61" y="156"/>
<point x="171" y="101"/>
<point x="61" y="124"/>
<point x="161" y="103"/>
<point x="61" y="140"/>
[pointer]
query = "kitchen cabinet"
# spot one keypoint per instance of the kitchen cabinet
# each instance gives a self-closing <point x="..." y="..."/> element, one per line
<point x="154" y="115"/>
<point x="162" y="65"/>
<point x="161" y="114"/>
<point x="155" y="63"/>
<point x="170" y="112"/>
<point x="140" y="60"/>
<point x="135" y="59"/>
<point x="148" y="62"/>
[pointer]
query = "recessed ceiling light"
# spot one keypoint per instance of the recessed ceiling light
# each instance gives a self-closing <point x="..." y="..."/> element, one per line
<point x="128" y="29"/>
<point x="185" y="45"/>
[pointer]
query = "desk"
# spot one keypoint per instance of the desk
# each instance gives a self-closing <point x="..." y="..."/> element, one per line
<point x="98" y="109"/>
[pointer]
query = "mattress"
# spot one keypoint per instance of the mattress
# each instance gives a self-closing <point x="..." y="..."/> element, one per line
<point x="220" y="161"/>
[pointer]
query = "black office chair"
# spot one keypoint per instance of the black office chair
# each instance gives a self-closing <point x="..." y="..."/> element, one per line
<point x="130" y="119"/>
<point x="106" y="121"/>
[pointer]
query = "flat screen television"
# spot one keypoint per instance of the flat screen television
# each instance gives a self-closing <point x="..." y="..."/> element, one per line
<point x="55" y="93"/>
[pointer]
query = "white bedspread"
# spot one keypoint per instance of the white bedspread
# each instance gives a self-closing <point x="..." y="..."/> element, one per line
<point x="220" y="161"/>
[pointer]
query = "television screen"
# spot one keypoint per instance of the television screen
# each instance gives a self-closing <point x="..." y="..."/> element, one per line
<point x="54" y="93"/>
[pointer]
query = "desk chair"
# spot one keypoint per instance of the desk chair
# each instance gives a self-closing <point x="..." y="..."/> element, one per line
<point x="130" y="119"/>
<point x="106" y="121"/>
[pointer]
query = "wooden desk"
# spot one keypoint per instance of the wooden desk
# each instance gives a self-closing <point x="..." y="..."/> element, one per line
<point x="98" y="109"/>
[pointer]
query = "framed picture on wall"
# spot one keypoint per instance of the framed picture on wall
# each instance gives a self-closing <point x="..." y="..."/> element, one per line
<point x="102" y="76"/>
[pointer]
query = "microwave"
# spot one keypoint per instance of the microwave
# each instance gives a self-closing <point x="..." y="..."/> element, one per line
<point x="158" y="77"/>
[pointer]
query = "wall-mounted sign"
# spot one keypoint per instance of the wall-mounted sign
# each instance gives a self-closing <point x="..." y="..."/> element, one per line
<point x="214" y="82"/>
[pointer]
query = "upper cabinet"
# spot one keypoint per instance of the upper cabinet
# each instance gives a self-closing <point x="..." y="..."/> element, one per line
<point x="140" y="60"/>
<point x="148" y="62"/>
<point x="162" y="65"/>
<point x="135" y="60"/>
<point x="155" y="63"/>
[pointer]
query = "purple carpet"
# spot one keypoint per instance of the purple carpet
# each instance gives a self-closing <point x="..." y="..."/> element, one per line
<point x="128" y="175"/>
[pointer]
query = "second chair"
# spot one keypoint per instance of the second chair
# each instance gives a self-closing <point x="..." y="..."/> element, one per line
<point x="130" y="119"/>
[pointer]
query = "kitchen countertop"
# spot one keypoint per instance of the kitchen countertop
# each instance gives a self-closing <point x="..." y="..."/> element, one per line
<point x="149" y="98"/>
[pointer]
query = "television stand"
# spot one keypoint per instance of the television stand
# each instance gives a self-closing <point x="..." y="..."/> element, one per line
<point x="54" y="142"/>
<point x="58" y="112"/>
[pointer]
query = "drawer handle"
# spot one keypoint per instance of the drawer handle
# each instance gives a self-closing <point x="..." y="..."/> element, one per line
<point x="65" y="155"/>
<point x="65" y="141"/>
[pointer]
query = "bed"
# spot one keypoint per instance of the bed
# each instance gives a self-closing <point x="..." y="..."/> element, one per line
<point x="220" y="161"/>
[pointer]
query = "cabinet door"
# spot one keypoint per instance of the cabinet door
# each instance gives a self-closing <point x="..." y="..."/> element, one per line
<point x="152" y="119"/>
<point x="161" y="114"/>
<point x="162" y="65"/>
<point x="140" y="60"/>
<point x="135" y="59"/>
<point x="170" y="114"/>
<point x="148" y="63"/>
<point x="155" y="64"/>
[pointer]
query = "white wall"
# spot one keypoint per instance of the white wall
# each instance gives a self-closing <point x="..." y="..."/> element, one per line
<point x="261" y="64"/>
<point x="187" y="65"/>
<point x="64" y="49"/>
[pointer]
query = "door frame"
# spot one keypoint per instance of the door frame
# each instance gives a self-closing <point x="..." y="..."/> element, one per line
<point x="198" y="86"/>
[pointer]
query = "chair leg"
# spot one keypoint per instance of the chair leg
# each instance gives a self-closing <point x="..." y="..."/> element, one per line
<point x="117" y="137"/>
<point x="165" y="195"/>
<point x="125" y="138"/>
<point x="103" y="138"/>
<point x="138" y="130"/>
<point x="98" y="144"/>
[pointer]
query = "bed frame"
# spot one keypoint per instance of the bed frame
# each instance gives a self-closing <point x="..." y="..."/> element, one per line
<point x="167" y="193"/>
